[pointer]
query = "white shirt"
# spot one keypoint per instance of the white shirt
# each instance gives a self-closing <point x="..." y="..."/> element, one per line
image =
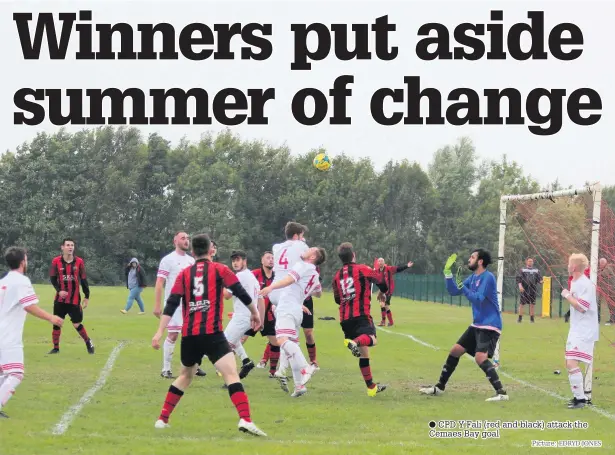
<point x="252" y="286"/>
<point x="585" y="325"/>
<point x="169" y="269"/>
<point x="306" y="283"/>
<point x="16" y="293"/>
<point x="285" y="256"/>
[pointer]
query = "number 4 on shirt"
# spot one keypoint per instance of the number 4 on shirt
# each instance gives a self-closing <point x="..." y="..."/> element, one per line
<point x="283" y="260"/>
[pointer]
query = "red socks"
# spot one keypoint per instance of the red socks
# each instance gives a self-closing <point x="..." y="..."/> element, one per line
<point x="173" y="397"/>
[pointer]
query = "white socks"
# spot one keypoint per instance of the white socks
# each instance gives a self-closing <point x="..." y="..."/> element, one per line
<point x="9" y="384"/>
<point x="296" y="359"/>
<point x="576" y="383"/>
<point x="240" y="351"/>
<point x="167" y="354"/>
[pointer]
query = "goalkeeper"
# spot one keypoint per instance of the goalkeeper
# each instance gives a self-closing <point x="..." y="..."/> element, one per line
<point x="480" y="339"/>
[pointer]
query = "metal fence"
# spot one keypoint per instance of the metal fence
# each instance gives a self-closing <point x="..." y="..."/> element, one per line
<point x="432" y="288"/>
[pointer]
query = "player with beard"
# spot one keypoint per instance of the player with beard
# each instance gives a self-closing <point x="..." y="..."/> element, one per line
<point x="480" y="339"/>
<point x="170" y="267"/>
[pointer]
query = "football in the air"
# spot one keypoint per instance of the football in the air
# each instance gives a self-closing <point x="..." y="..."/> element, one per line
<point x="322" y="162"/>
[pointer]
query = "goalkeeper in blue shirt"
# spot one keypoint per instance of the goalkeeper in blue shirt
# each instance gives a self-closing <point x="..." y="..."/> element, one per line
<point x="480" y="339"/>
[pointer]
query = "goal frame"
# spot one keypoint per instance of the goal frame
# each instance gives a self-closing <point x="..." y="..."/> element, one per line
<point x="594" y="189"/>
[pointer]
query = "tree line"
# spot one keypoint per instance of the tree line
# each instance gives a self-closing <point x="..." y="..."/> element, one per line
<point x="119" y="195"/>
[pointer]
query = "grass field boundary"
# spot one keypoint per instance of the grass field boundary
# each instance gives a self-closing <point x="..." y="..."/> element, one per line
<point x="593" y="408"/>
<point x="73" y="411"/>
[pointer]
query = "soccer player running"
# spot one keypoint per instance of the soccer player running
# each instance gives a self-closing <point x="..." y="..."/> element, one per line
<point x="300" y="283"/>
<point x="264" y="274"/>
<point x="584" y="327"/>
<point x="240" y="324"/>
<point x="388" y="275"/>
<point x="480" y="339"/>
<point x="352" y="292"/>
<point x="17" y="297"/>
<point x="528" y="278"/>
<point x="168" y="270"/>
<point x="197" y="292"/>
<point x="67" y="273"/>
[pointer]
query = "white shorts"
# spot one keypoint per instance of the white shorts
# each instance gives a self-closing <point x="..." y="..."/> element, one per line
<point x="581" y="350"/>
<point x="11" y="360"/>
<point x="176" y="322"/>
<point x="274" y="296"/>
<point x="288" y="323"/>
<point x="236" y="329"/>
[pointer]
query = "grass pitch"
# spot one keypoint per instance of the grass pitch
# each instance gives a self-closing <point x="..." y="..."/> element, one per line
<point x="336" y="416"/>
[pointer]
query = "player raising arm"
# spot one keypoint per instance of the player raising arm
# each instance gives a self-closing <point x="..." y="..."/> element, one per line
<point x="198" y="292"/>
<point x="352" y="292"/>
<point x="387" y="274"/>
<point x="300" y="283"/>
<point x="480" y="339"/>
<point x="584" y="330"/>
<point x="17" y="298"/>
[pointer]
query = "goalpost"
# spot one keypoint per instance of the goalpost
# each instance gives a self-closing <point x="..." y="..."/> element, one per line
<point x="547" y="227"/>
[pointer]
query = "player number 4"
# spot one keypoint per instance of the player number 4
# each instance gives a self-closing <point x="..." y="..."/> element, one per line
<point x="283" y="260"/>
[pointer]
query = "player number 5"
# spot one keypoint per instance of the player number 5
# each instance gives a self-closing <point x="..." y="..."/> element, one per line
<point x="198" y="286"/>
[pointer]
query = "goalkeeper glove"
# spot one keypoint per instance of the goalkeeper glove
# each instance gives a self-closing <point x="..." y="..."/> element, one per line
<point x="449" y="263"/>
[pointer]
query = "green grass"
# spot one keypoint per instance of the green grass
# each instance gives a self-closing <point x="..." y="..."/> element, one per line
<point x="336" y="416"/>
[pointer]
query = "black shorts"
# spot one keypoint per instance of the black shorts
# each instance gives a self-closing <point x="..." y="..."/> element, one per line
<point x="194" y="347"/>
<point x="268" y="329"/>
<point x="74" y="311"/>
<point x="527" y="297"/>
<point x="250" y="333"/>
<point x="476" y="340"/>
<point x="308" y="319"/>
<point x="363" y="325"/>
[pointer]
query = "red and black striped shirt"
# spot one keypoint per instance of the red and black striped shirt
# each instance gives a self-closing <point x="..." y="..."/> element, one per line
<point x="388" y="274"/>
<point x="352" y="289"/>
<point x="199" y="289"/>
<point x="67" y="276"/>
<point x="264" y="282"/>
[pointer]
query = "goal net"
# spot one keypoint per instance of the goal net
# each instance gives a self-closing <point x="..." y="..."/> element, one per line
<point x="547" y="228"/>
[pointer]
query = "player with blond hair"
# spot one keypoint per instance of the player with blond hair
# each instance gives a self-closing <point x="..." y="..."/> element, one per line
<point x="584" y="330"/>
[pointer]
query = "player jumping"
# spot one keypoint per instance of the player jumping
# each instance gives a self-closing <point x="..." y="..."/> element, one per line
<point x="387" y="273"/>
<point x="480" y="339"/>
<point x="352" y="292"/>
<point x="67" y="273"/>
<point x="285" y="256"/>
<point x="17" y="298"/>
<point x="584" y="326"/>
<point x="198" y="292"/>
<point x="300" y="283"/>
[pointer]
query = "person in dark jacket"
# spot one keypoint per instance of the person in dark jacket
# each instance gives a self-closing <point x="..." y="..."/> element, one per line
<point x="135" y="282"/>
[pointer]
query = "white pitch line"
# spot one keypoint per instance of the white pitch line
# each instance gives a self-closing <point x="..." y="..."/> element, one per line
<point x="595" y="409"/>
<point x="69" y="416"/>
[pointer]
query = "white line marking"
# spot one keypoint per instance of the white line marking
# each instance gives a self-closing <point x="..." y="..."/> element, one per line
<point x="413" y="338"/>
<point x="72" y="412"/>
<point x="595" y="409"/>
